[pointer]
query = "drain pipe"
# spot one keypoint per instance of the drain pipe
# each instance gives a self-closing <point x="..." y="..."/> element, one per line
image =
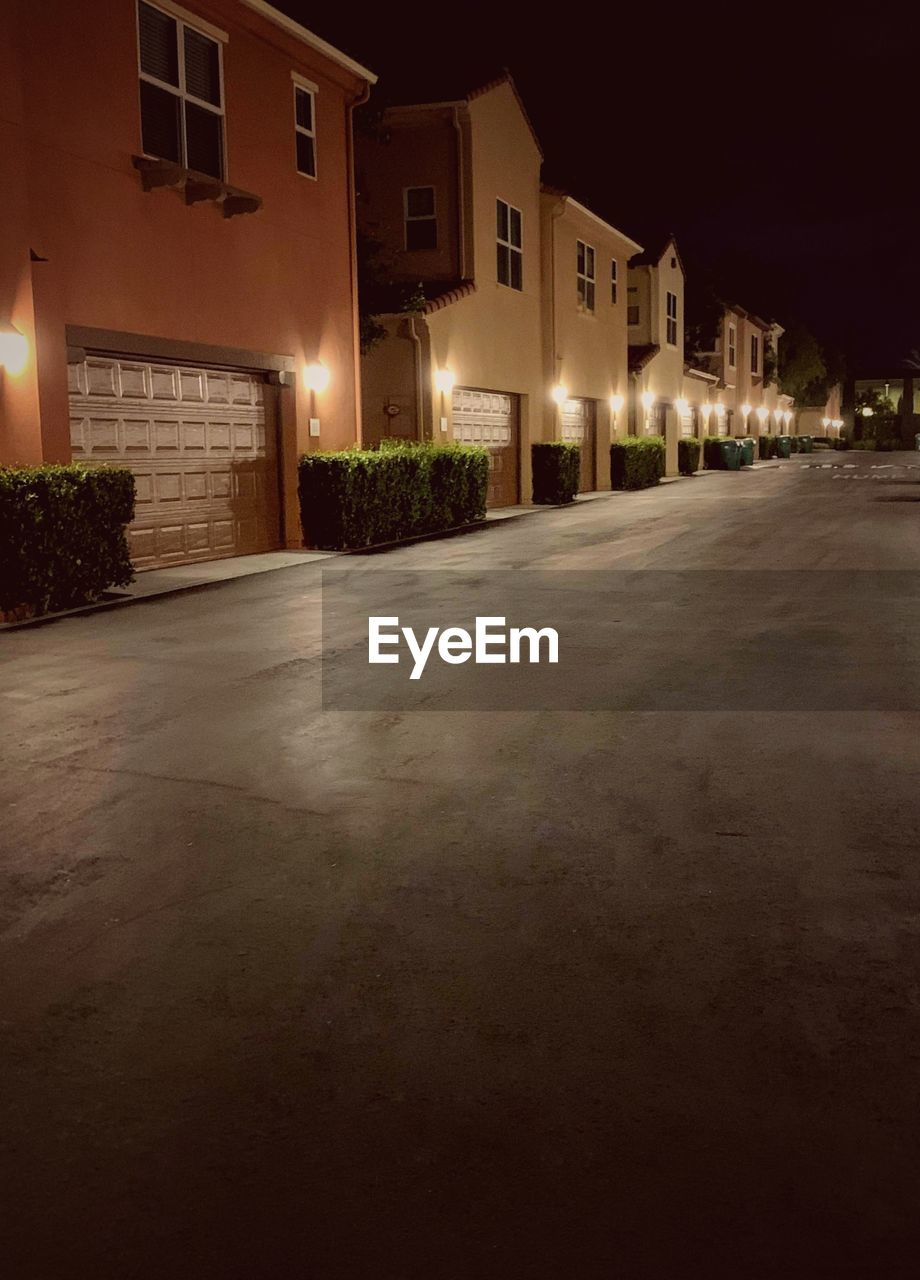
<point x="358" y="101"/>
<point x="419" y="384"/>
<point x="461" y="197"/>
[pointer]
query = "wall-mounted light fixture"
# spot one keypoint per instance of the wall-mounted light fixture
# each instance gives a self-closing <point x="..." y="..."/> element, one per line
<point x="825" y="423"/>
<point x="682" y="406"/>
<point x="316" y="379"/>
<point x="616" y="402"/>
<point x="444" y="381"/>
<point x="787" y="417"/>
<point x="762" y="415"/>
<point x="746" y="410"/>
<point x="560" y="393"/>
<point x="14" y="348"/>
<point x="648" y="399"/>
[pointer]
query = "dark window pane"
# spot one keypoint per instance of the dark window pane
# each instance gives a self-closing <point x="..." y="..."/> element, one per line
<point x="159" y="50"/>
<point x="502" y="211"/>
<point x="160" y="122"/>
<point x="306" y="155"/>
<point x="589" y="300"/>
<point x="422" y="234"/>
<point x="589" y="260"/>
<point x="632" y="315"/>
<point x="504" y="269"/>
<point x="579" y="257"/>
<point x="202" y="67"/>
<point x="420" y="202"/>
<point x="517" y="270"/>
<point x="581" y="291"/>
<point x="304" y="105"/>
<point x="516" y="227"/>
<point x="203" y="141"/>
<point x="613" y="292"/>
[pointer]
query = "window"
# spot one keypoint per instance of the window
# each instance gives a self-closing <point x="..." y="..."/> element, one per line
<point x="632" y="305"/>
<point x="510" y="246"/>
<point x="613" y="282"/>
<point x="421" y="218"/>
<point x="732" y="355"/>
<point x="755" y="353"/>
<point x="672" y="320"/>
<point x="305" y="128"/>
<point x="584" y="266"/>
<point x="182" y="112"/>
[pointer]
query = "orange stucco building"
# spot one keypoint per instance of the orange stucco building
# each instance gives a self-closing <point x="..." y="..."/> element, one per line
<point x="177" y="252"/>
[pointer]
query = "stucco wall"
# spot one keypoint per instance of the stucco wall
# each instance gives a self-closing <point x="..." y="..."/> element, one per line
<point x="277" y="282"/>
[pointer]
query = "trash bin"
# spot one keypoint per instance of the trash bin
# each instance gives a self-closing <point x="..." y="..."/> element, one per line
<point x="730" y="453"/>
<point x="806" y="444"/>
<point x="746" y="446"/>
<point x="784" y="446"/>
<point x="917" y="441"/>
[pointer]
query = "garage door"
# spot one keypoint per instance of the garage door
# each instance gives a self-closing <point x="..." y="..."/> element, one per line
<point x="202" y="444"/>
<point x="490" y="418"/>
<point x="578" y="427"/>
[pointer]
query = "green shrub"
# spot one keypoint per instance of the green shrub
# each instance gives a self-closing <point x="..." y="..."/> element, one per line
<point x="556" y="471"/>
<point x="62" y="535"/>
<point x="361" y="497"/>
<point x="688" y="455"/>
<point x="636" y="462"/>
<point x="766" y="447"/>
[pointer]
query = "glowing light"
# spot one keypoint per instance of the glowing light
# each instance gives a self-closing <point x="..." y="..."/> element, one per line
<point x="682" y="406"/>
<point x="746" y="409"/>
<point x="825" y="423"/>
<point x="867" y="412"/>
<point x="560" y="393"/>
<point x="763" y="414"/>
<point x="316" y="377"/>
<point x="14" y="349"/>
<point x="616" y="402"/>
<point x="444" y="381"/>
<point x="787" y="417"/>
<point x="648" y="399"/>
<point x="706" y="409"/>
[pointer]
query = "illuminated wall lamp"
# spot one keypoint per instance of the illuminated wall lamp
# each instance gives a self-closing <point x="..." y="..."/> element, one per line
<point x="787" y="417"/>
<point x="682" y="406"/>
<point x="616" y="402"/>
<point x="648" y="399"/>
<point x="315" y="379"/>
<point x="825" y="423"/>
<point x="867" y="412"/>
<point x="746" y="410"/>
<point x="560" y="393"/>
<point x="14" y="348"/>
<point x="762" y="415"/>
<point x="444" y="381"/>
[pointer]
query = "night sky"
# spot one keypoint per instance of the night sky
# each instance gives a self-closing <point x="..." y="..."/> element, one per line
<point x="782" y="154"/>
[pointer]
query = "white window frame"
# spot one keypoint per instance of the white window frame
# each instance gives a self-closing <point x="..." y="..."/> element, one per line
<point x="512" y="248"/>
<point x="732" y="347"/>
<point x="755" y="355"/>
<point x="183" y="19"/>
<point x="301" y="84"/>
<point x="614" y="283"/>
<point x="428" y="217"/>
<point x="670" y="319"/>
<point x="583" y="278"/>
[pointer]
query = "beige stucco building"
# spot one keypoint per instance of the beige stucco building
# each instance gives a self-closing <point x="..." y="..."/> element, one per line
<point x="452" y="193"/>
<point x="745" y="400"/>
<point x="585" y="347"/>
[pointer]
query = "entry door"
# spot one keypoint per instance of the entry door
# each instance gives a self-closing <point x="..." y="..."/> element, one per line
<point x="202" y="444"/>
<point x="491" y="419"/>
<point x="579" y="427"/>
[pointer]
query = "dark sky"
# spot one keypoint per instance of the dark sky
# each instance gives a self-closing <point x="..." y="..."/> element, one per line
<point x="783" y="154"/>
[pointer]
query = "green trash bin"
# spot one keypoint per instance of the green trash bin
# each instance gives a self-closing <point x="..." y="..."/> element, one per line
<point x="730" y="451"/>
<point x="783" y="446"/>
<point x="806" y="444"/>
<point x="746" y="446"/>
<point x="917" y="441"/>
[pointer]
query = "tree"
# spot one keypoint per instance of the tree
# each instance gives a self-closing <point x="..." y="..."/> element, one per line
<point x="802" y="368"/>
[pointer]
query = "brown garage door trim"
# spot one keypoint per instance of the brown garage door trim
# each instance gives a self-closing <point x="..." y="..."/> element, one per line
<point x="112" y="342"/>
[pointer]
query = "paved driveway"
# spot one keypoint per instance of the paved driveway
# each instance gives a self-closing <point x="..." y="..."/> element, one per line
<point x="289" y="993"/>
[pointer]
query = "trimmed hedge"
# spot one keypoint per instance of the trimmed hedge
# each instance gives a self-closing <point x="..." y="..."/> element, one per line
<point x="62" y="535"/>
<point x="360" y="497"/>
<point x="637" y="462"/>
<point x="688" y="455"/>
<point x="556" y="471"/>
<point x="766" y="447"/>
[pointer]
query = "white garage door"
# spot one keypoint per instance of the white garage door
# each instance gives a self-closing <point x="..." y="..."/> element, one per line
<point x="202" y="444"/>
<point x="490" y="418"/>
<point x="578" y="427"/>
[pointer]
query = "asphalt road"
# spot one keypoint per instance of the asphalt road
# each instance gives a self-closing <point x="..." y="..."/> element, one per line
<point x="433" y="995"/>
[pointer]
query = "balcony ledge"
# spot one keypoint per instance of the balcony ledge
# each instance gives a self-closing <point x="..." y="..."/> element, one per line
<point x="196" y="186"/>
